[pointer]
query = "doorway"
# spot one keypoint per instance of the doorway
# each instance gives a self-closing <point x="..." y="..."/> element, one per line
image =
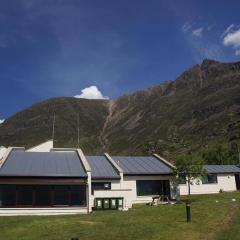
<point x="237" y="179"/>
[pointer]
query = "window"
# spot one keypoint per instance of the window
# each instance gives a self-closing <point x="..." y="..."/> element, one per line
<point x="152" y="187"/>
<point x="43" y="195"/>
<point x="61" y="195"/>
<point x="24" y="195"/>
<point x="7" y="195"/>
<point x="78" y="195"/>
<point x="182" y="179"/>
<point x="100" y="186"/>
<point x="209" y="179"/>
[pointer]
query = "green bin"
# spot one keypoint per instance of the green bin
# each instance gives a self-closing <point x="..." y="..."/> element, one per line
<point x="113" y="203"/>
<point x="99" y="203"/>
<point x="120" y="203"/>
<point x="106" y="203"/>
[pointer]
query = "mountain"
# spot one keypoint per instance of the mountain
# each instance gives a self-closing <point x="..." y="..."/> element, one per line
<point x="198" y="109"/>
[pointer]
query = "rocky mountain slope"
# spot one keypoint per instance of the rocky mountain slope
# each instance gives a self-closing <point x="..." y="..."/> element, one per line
<point x="201" y="107"/>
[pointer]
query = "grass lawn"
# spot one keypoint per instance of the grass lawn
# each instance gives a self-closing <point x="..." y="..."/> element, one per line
<point x="210" y="220"/>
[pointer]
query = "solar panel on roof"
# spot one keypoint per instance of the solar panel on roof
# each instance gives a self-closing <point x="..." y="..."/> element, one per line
<point x="102" y="168"/>
<point x="142" y="165"/>
<point x="222" y="169"/>
<point x="44" y="164"/>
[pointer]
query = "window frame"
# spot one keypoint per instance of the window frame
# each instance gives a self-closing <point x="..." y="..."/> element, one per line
<point x="74" y="193"/>
<point x="208" y="179"/>
<point x="181" y="179"/>
<point x="164" y="188"/>
<point x="101" y="186"/>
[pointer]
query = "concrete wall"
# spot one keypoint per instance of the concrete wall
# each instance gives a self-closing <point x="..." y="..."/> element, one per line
<point x="226" y="182"/>
<point x="43" y="147"/>
<point x="2" y="152"/>
<point x="126" y="194"/>
<point x="128" y="190"/>
<point x="129" y="182"/>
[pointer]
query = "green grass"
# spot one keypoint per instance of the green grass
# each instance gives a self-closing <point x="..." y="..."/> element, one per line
<point x="210" y="220"/>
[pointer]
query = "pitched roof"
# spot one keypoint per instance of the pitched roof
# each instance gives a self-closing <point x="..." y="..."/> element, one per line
<point x="102" y="168"/>
<point x="222" y="169"/>
<point x="42" y="164"/>
<point x="142" y="165"/>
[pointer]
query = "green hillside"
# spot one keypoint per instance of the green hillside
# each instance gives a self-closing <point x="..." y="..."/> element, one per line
<point x="200" y="110"/>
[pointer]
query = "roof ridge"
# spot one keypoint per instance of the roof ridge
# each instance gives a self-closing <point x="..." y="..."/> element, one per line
<point x="164" y="160"/>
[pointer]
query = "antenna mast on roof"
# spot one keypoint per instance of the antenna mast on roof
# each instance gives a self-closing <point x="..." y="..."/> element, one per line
<point x="53" y="128"/>
<point x="78" y="132"/>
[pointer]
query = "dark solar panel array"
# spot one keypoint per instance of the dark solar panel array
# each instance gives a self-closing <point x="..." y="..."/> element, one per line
<point x="43" y="164"/>
<point x="102" y="168"/>
<point x="142" y="165"/>
<point x="222" y="169"/>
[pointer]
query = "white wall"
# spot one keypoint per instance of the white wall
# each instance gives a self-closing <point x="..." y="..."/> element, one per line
<point x="130" y="183"/>
<point x="43" y="147"/>
<point x="126" y="194"/>
<point x="114" y="192"/>
<point x="2" y="152"/>
<point x="128" y="190"/>
<point x="226" y="182"/>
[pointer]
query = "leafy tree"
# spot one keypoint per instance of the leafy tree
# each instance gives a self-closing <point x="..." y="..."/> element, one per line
<point x="189" y="168"/>
<point x="221" y="154"/>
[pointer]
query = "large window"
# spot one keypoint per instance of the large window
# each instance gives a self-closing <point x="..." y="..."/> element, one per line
<point x="182" y="179"/>
<point x="24" y="195"/>
<point x="100" y="186"/>
<point x="42" y="195"/>
<point x="209" y="179"/>
<point x="61" y="195"/>
<point x="78" y="195"/>
<point x="7" y="195"/>
<point x="152" y="187"/>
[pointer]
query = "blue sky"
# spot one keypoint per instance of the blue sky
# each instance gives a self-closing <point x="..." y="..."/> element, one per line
<point x="57" y="48"/>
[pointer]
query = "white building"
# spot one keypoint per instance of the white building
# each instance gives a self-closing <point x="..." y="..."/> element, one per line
<point x="219" y="178"/>
<point x="67" y="181"/>
<point x="45" y="180"/>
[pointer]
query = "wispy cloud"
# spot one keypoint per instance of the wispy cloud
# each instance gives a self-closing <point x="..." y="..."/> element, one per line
<point x="229" y="28"/>
<point x="190" y="27"/>
<point x="201" y="45"/>
<point x="231" y="37"/>
<point x="186" y="27"/>
<point x="2" y="121"/>
<point x="91" y="92"/>
<point x="198" y="32"/>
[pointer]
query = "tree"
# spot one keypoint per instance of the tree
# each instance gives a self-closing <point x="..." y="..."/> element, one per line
<point x="189" y="168"/>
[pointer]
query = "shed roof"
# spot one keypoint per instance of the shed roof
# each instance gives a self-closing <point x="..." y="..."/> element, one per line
<point x="102" y="168"/>
<point x="42" y="164"/>
<point x="142" y="165"/>
<point x="222" y="169"/>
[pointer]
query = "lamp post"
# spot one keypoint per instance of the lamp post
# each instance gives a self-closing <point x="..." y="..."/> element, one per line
<point x="188" y="212"/>
<point x="188" y="209"/>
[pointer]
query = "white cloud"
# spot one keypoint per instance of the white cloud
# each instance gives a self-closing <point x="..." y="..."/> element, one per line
<point x="186" y="26"/>
<point x="91" y="92"/>
<point x="231" y="37"/>
<point x="1" y="121"/>
<point x="229" y="28"/>
<point x="237" y="52"/>
<point x="197" y="32"/>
